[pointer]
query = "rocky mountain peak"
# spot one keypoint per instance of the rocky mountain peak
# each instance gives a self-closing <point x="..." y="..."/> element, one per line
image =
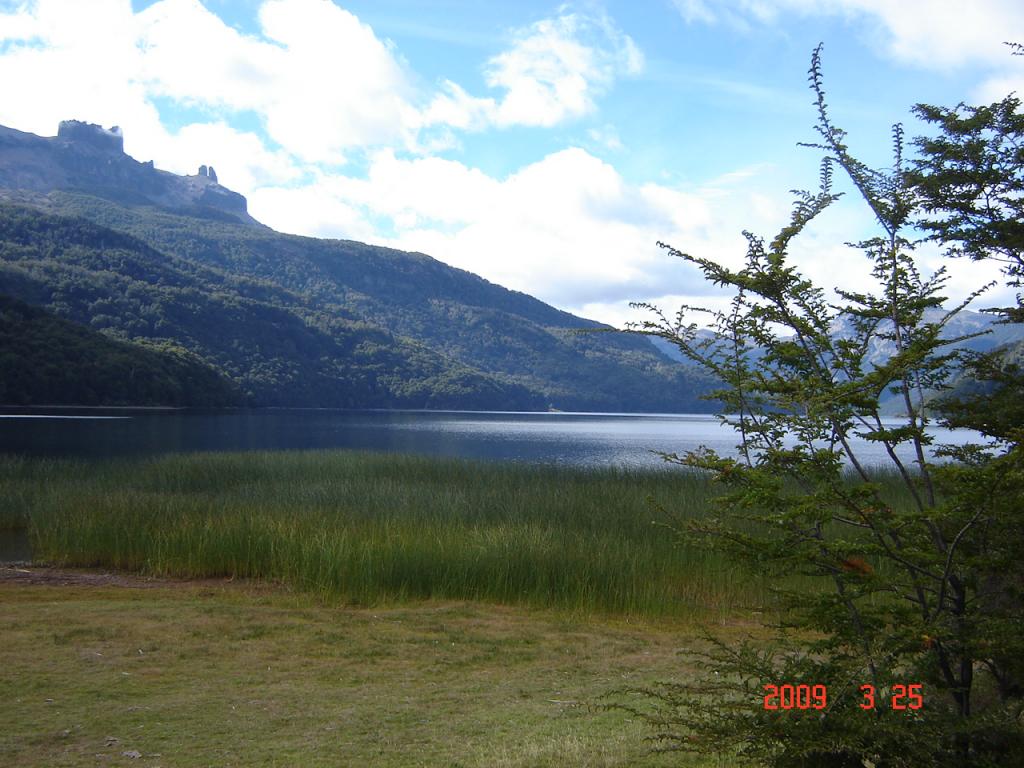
<point x="85" y="157"/>
<point x="89" y="134"/>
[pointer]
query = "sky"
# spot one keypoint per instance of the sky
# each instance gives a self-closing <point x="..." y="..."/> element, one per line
<point x="546" y="147"/>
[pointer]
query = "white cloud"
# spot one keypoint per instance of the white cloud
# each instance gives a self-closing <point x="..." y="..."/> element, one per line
<point x="189" y="54"/>
<point x="321" y="80"/>
<point x="928" y="33"/>
<point x="309" y="211"/>
<point x="453" y="106"/>
<point x="619" y="313"/>
<point x="736" y="13"/>
<point x="71" y="60"/>
<point x="323" y="83"/>
<point x="553" y="71"/>
<point x="997" y="87"/>
<point x="17" y="25"/>
<point x="937" y="33"/>
<point x="241" y="159"/>
<point x="695" y="10"/>
<point x="84" y="57"/>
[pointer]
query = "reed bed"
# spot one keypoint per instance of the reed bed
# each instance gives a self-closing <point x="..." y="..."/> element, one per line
<point x="377" y="528"/>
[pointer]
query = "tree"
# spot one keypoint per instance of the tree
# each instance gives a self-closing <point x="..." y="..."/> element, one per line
<point x="970" y="181"/>
<point x="895" y="608"/>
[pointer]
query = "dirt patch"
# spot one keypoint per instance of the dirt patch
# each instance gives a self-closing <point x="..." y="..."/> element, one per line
<point x="72" y="577"/>
<point x="42" y="575"/>
<point x="26" y="574"/>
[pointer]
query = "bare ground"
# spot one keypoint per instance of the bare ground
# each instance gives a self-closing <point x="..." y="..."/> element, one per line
<point x="41" y="575"/>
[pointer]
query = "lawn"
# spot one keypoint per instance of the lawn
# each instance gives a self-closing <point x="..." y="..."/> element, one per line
<point x="216" y="673"/>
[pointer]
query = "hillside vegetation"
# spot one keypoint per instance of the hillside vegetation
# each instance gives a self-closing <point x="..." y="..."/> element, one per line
<point x="294" y="321"/>
<point x="49" y="361"/>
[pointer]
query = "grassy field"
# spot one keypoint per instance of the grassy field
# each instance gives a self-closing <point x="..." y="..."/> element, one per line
<point x="209" y="674"/>
<point x="368" y="529"/>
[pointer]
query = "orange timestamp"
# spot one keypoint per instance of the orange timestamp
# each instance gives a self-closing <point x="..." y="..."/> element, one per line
<point x="783" y="697"/>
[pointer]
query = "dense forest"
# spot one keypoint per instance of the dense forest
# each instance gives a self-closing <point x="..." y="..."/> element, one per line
<point x="293" y="321"/>
<point x="46" y="360"/>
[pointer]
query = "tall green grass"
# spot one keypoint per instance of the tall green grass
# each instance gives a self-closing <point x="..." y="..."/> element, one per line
<point x="372" y="528"/>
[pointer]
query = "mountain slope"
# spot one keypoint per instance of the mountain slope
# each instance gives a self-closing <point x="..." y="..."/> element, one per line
<point x="49" y="361"/>
<point x="412" y="295"/>
<point x="293" y="320"/>
<point x="296" y="321"/>
<point x="275" y="347"/>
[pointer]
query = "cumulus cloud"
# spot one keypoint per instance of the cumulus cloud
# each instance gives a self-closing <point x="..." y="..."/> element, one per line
<point x="242" y="160"/>
<point x="454" y="107"/>
<point x="17" y="25"/>
<point x="606" y="137"/>
<point x="998" y="86"/>
<point x="320" y="79"/>
<point x="307" y="210"/>
<point x="553" y="71"/>
<point x="69" y="59"/>
<point x="695" y="10"/>
<point x="929" y="34"/>
<point x="935" y="33"/>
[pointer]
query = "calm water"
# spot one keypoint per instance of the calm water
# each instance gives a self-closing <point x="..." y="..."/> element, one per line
<point x="579" y="439"/>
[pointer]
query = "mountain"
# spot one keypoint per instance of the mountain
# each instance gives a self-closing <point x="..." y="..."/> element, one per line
<point x="147" y="257"/>
<point x="986" y="332"/>
<point x="998" y="393"/>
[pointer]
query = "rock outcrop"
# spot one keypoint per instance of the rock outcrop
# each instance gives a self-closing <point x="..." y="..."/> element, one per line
<point x="75" y="131"/>
<point x="89" y="158"/>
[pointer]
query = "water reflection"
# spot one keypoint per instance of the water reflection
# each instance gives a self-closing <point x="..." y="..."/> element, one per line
<point x="578" y="439"/>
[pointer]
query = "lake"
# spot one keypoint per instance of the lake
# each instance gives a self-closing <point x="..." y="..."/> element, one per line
<point x="573" y="439"/>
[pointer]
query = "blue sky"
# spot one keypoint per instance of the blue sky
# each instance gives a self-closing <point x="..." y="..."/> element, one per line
<point x="544" y="146"/>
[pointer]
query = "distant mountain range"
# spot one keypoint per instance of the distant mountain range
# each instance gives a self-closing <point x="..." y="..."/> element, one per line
<point x="219" y="308"/>
<point x="965" y="323"/>
<point x="993" y="334"/>
<point x="967" y="330"/>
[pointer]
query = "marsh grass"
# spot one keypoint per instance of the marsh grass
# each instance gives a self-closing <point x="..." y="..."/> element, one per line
<point x="374" y="528"/>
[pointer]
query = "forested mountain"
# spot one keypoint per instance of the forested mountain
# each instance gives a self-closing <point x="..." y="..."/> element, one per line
<point x="306" y="322"/>
<point x="46" y="360"/>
